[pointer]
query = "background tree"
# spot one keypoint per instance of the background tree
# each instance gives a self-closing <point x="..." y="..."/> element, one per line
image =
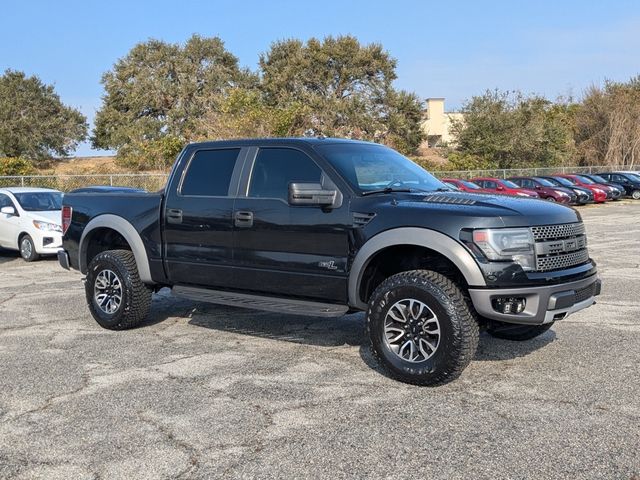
<point x="155" y="94"/>
<point x="607" y="124"/>
<point x="511" y="130"/>
<point x="34" y="123"/>
<point x="346" y="87"/>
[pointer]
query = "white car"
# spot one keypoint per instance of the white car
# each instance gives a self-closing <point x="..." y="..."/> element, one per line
<point x="30" y="221"/>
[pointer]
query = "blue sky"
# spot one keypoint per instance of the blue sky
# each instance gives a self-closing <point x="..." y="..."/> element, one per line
<point x="451" y="49"/>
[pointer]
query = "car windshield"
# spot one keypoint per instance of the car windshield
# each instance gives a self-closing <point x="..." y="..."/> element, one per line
<point x="370" y="168"/>
<point x="586" y="180"/>
<point x="39" y="201"/>
<point x="510" y="184"/>
<point x="470" y="185"/>
<point x="633" y="176"/>
<point x="544" y="182"/>
<point x="598" y="179"/>
<point x="565" y="181"/>
<point x="452" y="185"/>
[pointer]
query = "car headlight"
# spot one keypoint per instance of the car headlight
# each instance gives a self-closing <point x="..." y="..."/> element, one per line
<point x="597" y="190"/>
<point x="507" y="245"/>
<point x="562" y="194"/>
<point x="523" y="194"/>
<point x="49" y="227"/>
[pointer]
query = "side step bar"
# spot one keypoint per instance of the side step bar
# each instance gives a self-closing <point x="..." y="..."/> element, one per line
<point x="259" y="302"/>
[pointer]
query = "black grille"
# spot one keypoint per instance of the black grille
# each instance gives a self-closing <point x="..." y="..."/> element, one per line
<point x="585" y="293"/>
<point x="560" y="246"/>
<point x="547" y="232"/>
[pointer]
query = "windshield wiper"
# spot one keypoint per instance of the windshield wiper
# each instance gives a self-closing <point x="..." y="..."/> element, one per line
<point x="387" y="190"/>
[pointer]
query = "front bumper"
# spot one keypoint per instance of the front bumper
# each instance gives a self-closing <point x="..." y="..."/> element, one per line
<point x="47" y="242"/>
<point x="544" y="304"/>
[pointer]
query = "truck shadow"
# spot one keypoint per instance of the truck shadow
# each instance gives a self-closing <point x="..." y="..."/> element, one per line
<point x="324" y="332"/>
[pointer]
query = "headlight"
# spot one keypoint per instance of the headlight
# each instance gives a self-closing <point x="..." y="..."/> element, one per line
<point x="523" y="194"/>
<point x="562" y="194"/>
<point x="597" y="190"/>
<point x="507" y="245"/>
<point x="49" y="227"/>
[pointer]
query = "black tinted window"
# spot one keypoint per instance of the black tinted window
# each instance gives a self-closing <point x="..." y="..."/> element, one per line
<point x="276" y="168"/>
<point x="490" y="184"/>
<point x="209" y="173"/>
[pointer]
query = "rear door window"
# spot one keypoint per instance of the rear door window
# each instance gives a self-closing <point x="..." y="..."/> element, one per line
<point x="209" y="173"/>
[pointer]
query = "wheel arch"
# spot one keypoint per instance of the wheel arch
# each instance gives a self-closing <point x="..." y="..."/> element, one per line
<point x="420" y="238"/>
<point x="119" y="225"/>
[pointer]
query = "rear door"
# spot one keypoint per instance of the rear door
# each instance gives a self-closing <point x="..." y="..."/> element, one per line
<point x="198" y="226"/>
<point x="283" y="249"/>
<point x="9" y="224"/>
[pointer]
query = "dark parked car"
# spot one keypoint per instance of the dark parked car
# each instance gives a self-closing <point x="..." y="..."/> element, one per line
<point x="628" y="180"/>
<point x="593" y="186"/>
<point x="584" y="195"/>
<point x="547" y="190"/>
<point x="327" y="227"/>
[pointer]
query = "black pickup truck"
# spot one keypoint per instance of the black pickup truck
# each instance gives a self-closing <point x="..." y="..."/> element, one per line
<point x="325" y="227"/>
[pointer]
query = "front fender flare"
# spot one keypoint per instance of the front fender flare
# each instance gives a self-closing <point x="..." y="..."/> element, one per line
<point x="130" y="234"/>
<point x="421" y="237"/>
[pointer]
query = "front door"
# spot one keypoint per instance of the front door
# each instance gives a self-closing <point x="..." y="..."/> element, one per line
<point x="282" y="249"/>
<point x="198" y="225"/>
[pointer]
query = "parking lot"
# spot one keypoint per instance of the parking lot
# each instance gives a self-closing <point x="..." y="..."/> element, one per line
<point x="205" y="391"/>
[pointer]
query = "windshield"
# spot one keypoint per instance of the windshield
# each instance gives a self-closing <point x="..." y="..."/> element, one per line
<point x="598" y="179"/>
<point x="544" y="182"/>
<point x="375" y="167"/>
<point x="471" y="185"/>
<point x="452" y="185"/>
<point x="510" y="184"/>
<point x="39" y="201"/>
<point x="565" y="181"/>
<point x="586" y="180"/>
<point x="633" y="176"/>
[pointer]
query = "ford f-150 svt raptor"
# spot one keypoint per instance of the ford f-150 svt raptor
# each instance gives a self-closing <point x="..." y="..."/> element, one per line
<point x="320" y="226"/>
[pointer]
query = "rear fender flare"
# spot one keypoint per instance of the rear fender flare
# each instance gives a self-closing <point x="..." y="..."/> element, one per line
<point x="129" y="233"/>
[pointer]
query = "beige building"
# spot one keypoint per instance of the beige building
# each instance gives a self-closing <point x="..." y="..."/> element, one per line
<point x="437" y="122"/>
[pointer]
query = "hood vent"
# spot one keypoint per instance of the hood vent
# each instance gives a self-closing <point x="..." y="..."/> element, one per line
<point x="361" y="219"/>
<point x="451" y="199"/>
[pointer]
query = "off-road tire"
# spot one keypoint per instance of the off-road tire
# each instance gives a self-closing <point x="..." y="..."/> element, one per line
<point x="458" y="327"/>
<point x="517" y="333"/>
<point x="136" y="296"/>
<point x="32" y="256"/>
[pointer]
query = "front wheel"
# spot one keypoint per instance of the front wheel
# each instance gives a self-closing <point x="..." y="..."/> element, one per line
<point x="635" y="195"/>
<point x="421" y="328"/>
<point x="515" y="332"/>
<point x="116" y="296"/>
<point x="28" y="249"/>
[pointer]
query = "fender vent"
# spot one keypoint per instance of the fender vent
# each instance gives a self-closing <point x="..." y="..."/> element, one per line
<point x="361" y="219"/>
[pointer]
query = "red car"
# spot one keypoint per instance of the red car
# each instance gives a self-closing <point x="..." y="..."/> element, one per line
<point x="465" y="185"/>
<point x="505" y="187"/>
<point x="601" y="193"/>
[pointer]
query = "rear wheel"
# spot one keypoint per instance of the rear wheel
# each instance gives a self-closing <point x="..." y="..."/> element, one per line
<point x="28" y="249"/>
<point x="518" y="333"/>
<point x="116" y="296"/>
<point x="420" y="328"/>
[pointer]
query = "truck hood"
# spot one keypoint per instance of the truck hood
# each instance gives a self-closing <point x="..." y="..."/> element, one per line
<point x="477" y="210"/>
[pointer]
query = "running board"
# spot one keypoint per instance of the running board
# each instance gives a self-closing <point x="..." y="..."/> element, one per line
<point x="259" y="302"/>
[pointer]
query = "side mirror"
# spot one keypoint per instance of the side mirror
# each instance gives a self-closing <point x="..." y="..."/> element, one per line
<point x="499" y="187"/>
<point x="8" y="211"/>
<point x="310" y="194"/>
<point x="538" y="187"/>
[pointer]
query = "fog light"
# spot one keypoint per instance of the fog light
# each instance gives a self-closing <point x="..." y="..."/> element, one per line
<point x="509" y="305"/>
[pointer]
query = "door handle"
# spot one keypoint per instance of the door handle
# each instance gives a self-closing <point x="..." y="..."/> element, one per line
<point x="243" y="219"/>
<point x="174" y="215"/>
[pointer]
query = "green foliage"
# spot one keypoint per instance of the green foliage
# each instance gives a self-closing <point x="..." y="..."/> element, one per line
<point x="34" y="123"/>
<point x="510" y="130"/>
<point x="160" y="89"/>
<point x="156" y="154"/>
<point x="16" y="166"/>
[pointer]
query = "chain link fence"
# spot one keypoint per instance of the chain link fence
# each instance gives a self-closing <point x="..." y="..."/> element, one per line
<point x="156" y="181"/>
<point x="146" y="181"/>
